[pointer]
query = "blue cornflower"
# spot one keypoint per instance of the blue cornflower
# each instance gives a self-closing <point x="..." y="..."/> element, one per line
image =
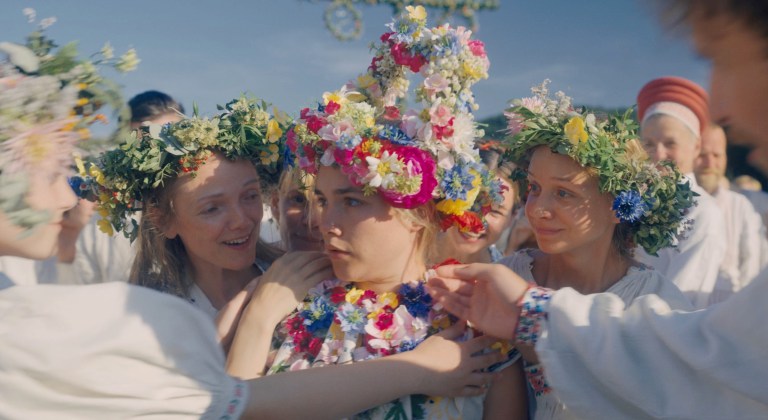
<point x="403" y="29"/>
<point x="320" y="107"/>
<point x="407" y="345"/>
<point x="416" y="300"/>
<point x="319" y="315"/>
<point x="629" y="206"/>
<point x="75" y="182"/>
<point x="352" y="318"/>
<point x="456" y="182"/>
<point x="449" y="43"/>
<point x="348" y="142"/>
<point x="395" y="135"/>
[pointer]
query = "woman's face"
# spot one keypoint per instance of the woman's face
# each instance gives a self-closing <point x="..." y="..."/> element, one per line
<point x="363" y="237"/>
<point x="217" y="214"/>
<point x="500" y="218"/>
<point x="49" y="192"/>
<point x="564" y="206"/>
<point x="292" y="209"/>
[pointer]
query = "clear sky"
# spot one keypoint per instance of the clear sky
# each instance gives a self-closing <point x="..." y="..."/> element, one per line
<point x="598" y="51"/>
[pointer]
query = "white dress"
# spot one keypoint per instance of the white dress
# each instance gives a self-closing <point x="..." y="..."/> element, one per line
<point x="100" y="258"/>
<point x="648" y="360"/>
<point x="695" y="264"/>
<point x="110" y="350"/>
<point x="637" y="282"/>
<point x="746" y="248"/>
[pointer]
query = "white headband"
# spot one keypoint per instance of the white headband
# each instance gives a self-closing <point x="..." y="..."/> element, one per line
<point x="675" y="110"/>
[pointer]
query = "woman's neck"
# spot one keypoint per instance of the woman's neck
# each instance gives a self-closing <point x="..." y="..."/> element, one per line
<point x="221" y="285"/>
<point x="587" y="270"/>
<point x="413" y="271"/>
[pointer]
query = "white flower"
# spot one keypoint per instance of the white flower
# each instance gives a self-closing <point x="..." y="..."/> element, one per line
<point x="128" y="61"/>
<point x="30" y="13"/>
<point x="107" y="51"/>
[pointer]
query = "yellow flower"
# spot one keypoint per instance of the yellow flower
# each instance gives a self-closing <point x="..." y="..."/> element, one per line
<point x="365" y="81"/>
<point x="441" y="322"/>
<point x="103" y="211"/>
<point x="575" y="131"/>
<point x="333" y="96"/>
<point x="457" y="207"/>
<point x="105" y="226"/>
<point x="416" y="13"/>
<point x="80" y="165"/>
<point x="281" y="116"/>
<point x="84" y="133"/>
<point x="96" y="173"/>
<point x="389" y="299"/>
<point x="273" y="131"/>
<point x="82" y="101"/>
<point x="471" y="72"/>
<point x="502" y="347"/>
<point x="353" y="295"/>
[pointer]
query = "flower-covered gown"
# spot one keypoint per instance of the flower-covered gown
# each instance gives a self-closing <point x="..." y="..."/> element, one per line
<point x="338" y="323"/>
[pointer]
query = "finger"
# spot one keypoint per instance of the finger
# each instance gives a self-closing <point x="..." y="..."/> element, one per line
<point x="483" y="361"/>
<point x="453" y="332"/>
<point x="451" y="285"/>
<point x="478" y="343"/>
<point x="455" y="304"/>
<point x="480" y="379"/>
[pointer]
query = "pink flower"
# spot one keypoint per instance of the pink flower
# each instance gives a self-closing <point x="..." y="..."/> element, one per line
<point x="315" y="123"/>
<point x="343" y="157"/>
<point x="417" y="162"/>
<point x="534" y="104"/>
<point x="435" y="83"/>
<point x="440" y="115"/>
<point x="477" y="47"/>
<point x="403" y="57"/>
<point x="514" y="123"/>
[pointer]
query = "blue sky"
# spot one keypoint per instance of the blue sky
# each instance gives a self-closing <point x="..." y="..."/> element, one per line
<point x="599" y="52"/>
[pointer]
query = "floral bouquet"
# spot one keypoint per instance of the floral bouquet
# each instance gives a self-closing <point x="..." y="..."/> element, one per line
<point x="652" y="199"/>
<point x="414" y="157"/>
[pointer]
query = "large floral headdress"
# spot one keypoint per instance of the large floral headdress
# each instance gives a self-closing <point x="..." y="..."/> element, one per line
<point x="413" y="157"/>
<point x="48" y="98"/>
<point x="121" y="179"/>
<point x="651" y="199"/>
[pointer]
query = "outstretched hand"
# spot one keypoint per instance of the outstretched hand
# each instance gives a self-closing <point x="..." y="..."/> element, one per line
<point x="454" y="368"/>
<point x="484" y="294"/>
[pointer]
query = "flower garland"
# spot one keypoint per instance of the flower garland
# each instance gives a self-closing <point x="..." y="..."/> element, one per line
<point x="652" y="199"/>
<point x="387" y="323"/>
<point x="48" y="99"/>
<point x="121" y="178"/>
<point x="418" y="156"/>
<point x="345" y="22"/>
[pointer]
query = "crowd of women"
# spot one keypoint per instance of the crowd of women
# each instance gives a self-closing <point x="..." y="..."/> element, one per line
<point x="396" y="289"/>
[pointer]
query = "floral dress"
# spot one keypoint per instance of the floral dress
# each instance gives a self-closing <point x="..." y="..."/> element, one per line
<point x="338" y="323"/>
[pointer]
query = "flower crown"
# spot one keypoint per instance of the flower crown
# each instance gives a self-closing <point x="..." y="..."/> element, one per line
<point x="411" y="158"/>
<point x="651" y="199"/>
<point x="121" y="178"/>
<point x="48" y="98"/>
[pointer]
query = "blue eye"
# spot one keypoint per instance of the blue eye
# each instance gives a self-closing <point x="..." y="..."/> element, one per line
<point x="533" y="188"/>
<point x="563" y="194"/>
<point x="352" y="202"/>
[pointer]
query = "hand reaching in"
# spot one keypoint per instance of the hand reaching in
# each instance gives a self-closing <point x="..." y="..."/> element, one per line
<point x="484" y="294"/>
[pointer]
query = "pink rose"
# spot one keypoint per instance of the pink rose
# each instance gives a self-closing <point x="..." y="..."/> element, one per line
<point x="477" y="47"/>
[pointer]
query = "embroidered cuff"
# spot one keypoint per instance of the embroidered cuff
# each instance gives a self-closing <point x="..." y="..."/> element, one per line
<point x="533" y="310"/>
<point x="536" y="380"/>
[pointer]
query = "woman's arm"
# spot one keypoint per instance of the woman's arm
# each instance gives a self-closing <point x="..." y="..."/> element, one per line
<point x="507" y="397"/>
<point x="278" y="292"/>
<point x="437" y="366"/>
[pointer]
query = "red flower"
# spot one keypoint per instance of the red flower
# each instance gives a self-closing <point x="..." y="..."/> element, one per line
<point x="467" y="222"/>
<point x="343" y="157"/>
<point x="290" y="140"/>
<point x="385" y="37"/>
<point x="294" y="324"/>
<point x="303" y="113"/>
<point x="338" y="294"/>
<point x="315" y="123"/>
<point x="368" y="294"/>
<point x="314" y="346"/>
<point x="332" y="107"/>
<point x="449" y="261"/>
<point x="384" y="320"/>
<point x="391" y="113"/>
<point x="403" y="57"/>
<point x="442" y="131"/>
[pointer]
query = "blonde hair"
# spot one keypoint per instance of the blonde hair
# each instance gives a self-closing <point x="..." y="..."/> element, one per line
<point x="426" y="217"/>
<point x="160" y="261"/>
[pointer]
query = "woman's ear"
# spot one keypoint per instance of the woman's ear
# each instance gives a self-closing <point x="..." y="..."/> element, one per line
<point x="164" y="224"/>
